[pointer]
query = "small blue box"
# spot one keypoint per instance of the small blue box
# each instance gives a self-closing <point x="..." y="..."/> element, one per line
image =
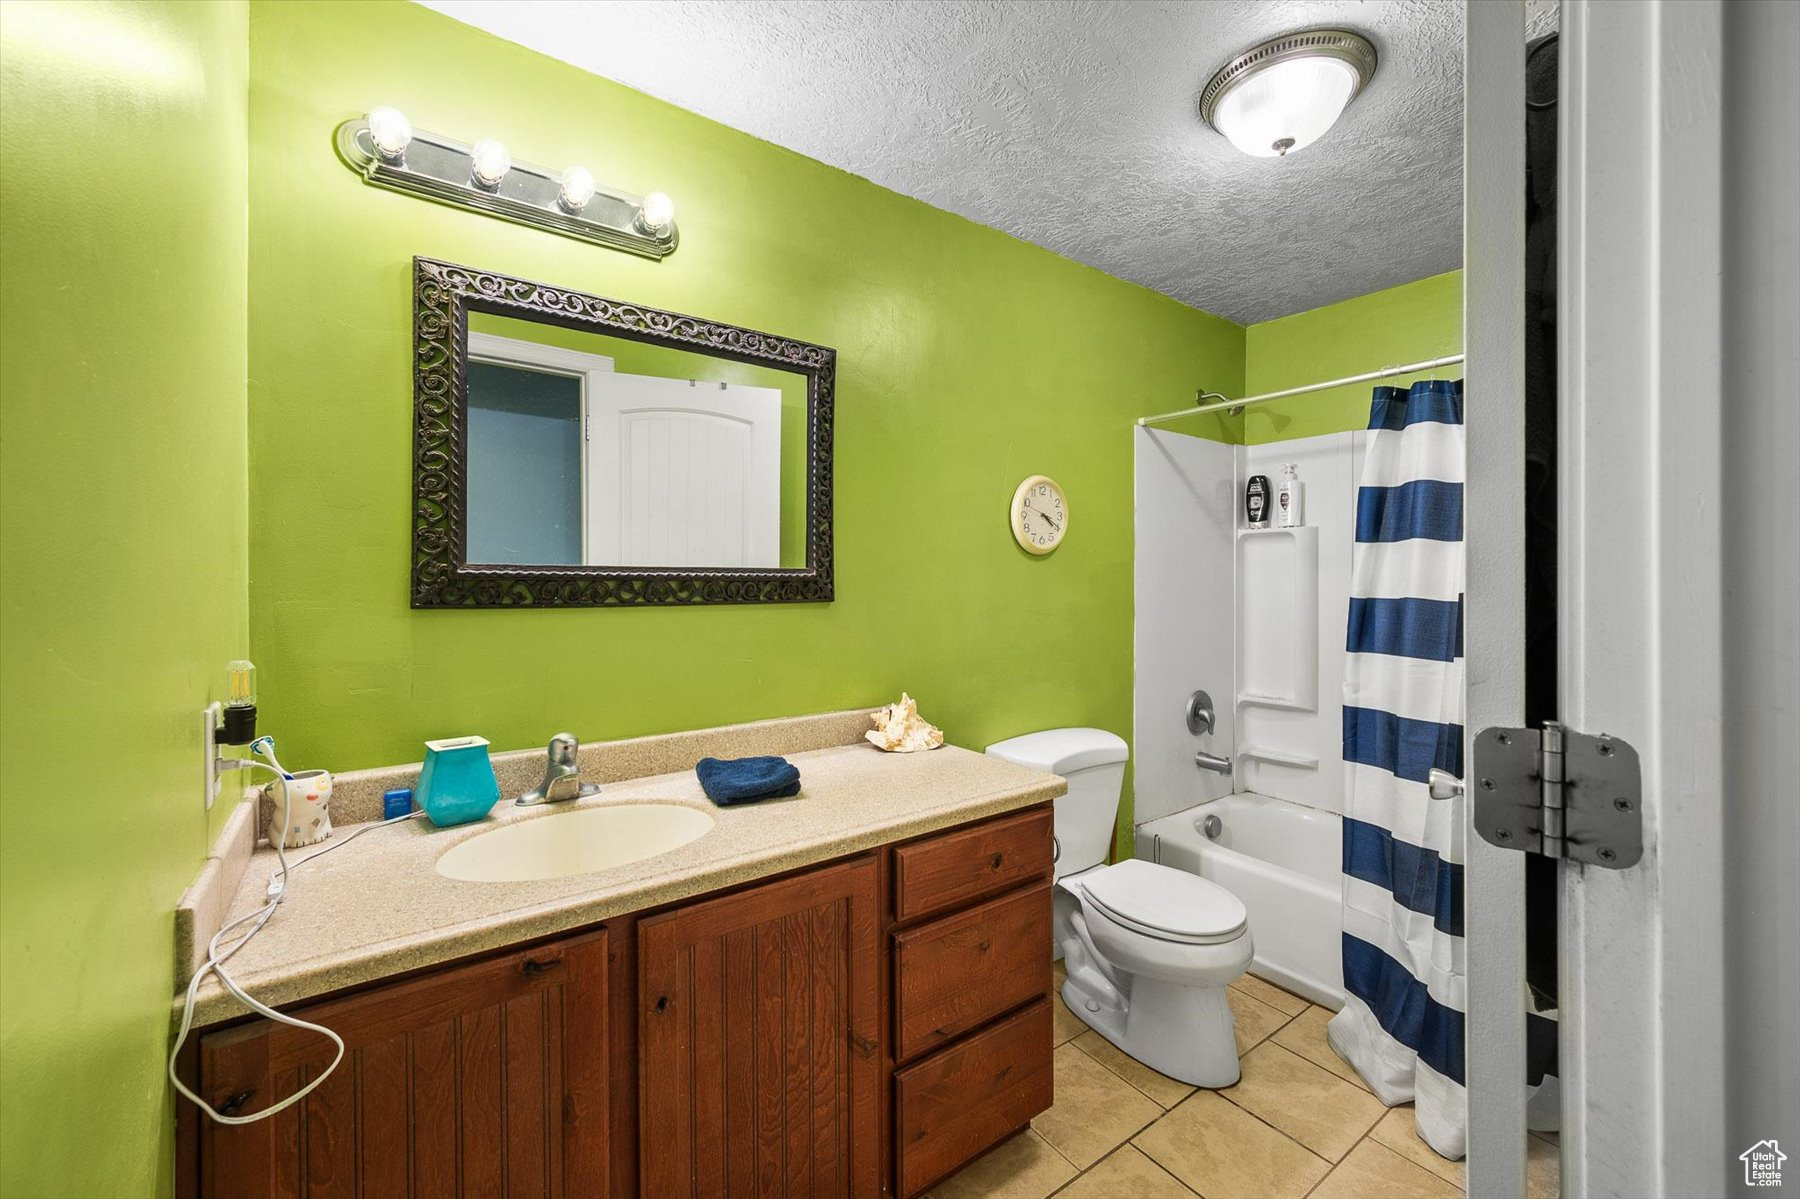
<point x="396" y="803"/>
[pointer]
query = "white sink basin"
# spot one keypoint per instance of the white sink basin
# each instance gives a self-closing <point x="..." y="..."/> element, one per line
<point x="577" y="842"/>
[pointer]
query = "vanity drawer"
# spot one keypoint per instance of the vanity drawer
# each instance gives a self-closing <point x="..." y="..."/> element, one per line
<point x="959" y="868"/>
<point x="963" y="970"/>
<point x="962" y="1100"/>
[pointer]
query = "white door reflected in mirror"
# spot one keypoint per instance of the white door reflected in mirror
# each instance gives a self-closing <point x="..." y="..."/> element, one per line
<point x="588" y="449"/>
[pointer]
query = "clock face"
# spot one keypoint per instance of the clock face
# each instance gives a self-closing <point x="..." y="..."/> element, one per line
<point x="1040" y="515"/>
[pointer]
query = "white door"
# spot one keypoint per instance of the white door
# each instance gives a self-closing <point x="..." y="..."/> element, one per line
<point x="1677" y="269"/>
<point x="1494" y="603"/>
<point x="683" y="474"/>
<point x="1642" y="585"/>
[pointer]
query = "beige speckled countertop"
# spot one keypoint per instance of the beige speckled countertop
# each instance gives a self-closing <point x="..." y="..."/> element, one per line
<point x="378" y="907"/>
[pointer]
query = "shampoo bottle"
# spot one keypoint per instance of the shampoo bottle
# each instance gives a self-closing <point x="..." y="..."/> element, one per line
<point x="1290" y="499"/>
<point x="1256" y="502"/>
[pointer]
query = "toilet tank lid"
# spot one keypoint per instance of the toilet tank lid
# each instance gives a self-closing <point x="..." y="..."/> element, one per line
<point x="1061" y="751"/>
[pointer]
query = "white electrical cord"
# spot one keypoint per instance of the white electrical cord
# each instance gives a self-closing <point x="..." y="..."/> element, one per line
<point x="216" y="958"/>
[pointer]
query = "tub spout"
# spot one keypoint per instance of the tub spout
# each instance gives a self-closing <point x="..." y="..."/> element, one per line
<point x="1212" y="762"/>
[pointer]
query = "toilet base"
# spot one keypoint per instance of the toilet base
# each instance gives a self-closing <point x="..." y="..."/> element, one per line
<point x="1183" y="1031"/>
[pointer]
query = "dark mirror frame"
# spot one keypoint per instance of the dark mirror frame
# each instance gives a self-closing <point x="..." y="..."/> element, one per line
<point x="443" y="295"/>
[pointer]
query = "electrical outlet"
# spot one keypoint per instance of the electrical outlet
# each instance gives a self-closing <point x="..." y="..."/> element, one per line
<point x="209" y="746"/>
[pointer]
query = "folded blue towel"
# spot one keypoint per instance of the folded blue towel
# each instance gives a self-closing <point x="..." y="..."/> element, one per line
<point x="746" y="780"/>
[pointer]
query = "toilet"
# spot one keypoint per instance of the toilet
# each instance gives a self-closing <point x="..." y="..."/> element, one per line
<point x="1149" y="949"/>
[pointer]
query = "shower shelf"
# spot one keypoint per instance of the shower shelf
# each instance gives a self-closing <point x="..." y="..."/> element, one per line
<point x="1278" y="618"/>
<point x="1284" y="702"/>
<point x="1280" y="757"/>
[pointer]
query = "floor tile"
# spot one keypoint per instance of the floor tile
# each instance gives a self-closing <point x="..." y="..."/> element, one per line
<point x="1305" y="1035"/>
<point x="1218" y="1149"/>
<point x="1285" y="1002"/>
<point x="1126" y="1174"/>
<point x="1255" y="1020"/>
<point x="1543" y="1168"/>
<point x="1314" y="1106"/>
<point x="1373" y="1171"/>
<point x="1095" y="1109"/>
<point x="1397" y="1132"/>
<point x="1165" y="1090"/>
<point x="1022" y="1167"/>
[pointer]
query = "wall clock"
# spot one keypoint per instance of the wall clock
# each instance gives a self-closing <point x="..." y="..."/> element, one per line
<point x="1040" y="515"/>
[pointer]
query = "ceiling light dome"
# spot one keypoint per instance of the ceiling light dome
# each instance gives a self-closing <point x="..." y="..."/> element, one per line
<point x="1282" y="95"/>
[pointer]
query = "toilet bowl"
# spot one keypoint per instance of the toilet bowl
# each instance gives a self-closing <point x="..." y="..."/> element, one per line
<point x="1149" y="949"/>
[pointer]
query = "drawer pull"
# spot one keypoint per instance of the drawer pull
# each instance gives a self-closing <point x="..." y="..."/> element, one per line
<point x="998" y="858"/>
<point x="235" y="1103"/>
<point x="662" y="1004"/>
<point x="532" y="967"/>
<point x="986" y="945"/>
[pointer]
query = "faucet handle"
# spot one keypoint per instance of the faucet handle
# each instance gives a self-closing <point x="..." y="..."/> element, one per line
<point x="563" y="749"/>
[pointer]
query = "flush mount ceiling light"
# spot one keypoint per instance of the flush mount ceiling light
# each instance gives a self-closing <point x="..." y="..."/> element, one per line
<point x="1283" y="94"/>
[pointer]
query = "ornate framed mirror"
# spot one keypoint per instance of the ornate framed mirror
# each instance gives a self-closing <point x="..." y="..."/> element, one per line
<point x="575" y="451"/>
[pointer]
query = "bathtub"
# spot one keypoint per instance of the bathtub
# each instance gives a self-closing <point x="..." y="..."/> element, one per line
<point x="1284" y="860"/>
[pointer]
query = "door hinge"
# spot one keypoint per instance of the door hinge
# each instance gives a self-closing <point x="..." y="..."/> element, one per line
<point x="1557" y="793"/>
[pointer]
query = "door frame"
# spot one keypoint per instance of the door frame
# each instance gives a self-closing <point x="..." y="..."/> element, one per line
<point x="1641" y="601"/>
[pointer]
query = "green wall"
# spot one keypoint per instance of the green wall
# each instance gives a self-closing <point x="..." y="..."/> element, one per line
<point x="1409" y="323"/>
<point x="123" y="554"/>
<point x="641" y="358"/>
<point x="129" y="573"/>
<point x="967" y="360"/>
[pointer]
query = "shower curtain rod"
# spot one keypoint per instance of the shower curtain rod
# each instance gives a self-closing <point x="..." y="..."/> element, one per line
<point x="1222" y="403"/>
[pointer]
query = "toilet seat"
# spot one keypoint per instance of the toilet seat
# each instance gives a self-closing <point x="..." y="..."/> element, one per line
<point x="1165" y="904"/>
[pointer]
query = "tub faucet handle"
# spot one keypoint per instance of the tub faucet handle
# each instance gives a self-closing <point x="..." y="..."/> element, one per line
<point x="1201" y="719"/>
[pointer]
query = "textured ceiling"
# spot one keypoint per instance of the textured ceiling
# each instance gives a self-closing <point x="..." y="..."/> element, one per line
<point x="1071" y="123"/>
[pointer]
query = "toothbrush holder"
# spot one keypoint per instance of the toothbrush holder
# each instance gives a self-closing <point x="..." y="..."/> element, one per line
<point x="457" y="784"/>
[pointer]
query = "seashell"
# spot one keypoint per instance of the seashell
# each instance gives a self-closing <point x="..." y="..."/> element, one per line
<point x="900" y="729"/>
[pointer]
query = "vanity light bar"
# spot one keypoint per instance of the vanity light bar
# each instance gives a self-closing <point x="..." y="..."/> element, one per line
<point x="388" y="152"/>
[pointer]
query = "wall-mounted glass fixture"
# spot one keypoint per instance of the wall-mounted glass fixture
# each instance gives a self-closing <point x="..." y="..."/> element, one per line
<point x="387" y="151"/>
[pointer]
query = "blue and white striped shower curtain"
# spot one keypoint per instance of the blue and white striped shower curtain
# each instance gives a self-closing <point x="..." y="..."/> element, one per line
<point x="1402" y="1022"/>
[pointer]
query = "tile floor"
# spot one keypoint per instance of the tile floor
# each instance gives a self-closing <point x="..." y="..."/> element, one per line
<point x="1298" y="1123"/>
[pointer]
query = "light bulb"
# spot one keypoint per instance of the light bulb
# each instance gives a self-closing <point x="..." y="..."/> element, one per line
<point x="240" y="684"/>
<point x="577" y="189"/>
<point x="1286" y="107"/>
<point x="489" y="161"/>
<point x="391" y="132"/>
<point x="657" y="213"/>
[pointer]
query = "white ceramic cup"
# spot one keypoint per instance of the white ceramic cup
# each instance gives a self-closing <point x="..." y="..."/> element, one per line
<point x="308" y="807"/>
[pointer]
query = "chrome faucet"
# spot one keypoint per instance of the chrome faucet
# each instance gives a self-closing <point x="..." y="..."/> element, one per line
<point x="1200" y="722"/>
<point x="1212" y="762"/>
<point x="562" y="777"/>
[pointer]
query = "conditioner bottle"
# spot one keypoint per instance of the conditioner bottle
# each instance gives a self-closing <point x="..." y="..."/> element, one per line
<point x="1290" y="499"/>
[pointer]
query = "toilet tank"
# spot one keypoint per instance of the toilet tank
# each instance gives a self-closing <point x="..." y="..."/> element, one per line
<point x="1093" y="761"/>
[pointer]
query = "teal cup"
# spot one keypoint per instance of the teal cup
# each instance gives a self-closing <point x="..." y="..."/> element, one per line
<point x="458" y="783"/>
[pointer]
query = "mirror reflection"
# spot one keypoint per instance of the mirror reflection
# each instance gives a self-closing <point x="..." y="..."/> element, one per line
<point x="586" y="449"/>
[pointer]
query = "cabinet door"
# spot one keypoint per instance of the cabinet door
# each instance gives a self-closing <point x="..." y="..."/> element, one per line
<point x="759" y="1055"/>
<point x="479" y="1080"/>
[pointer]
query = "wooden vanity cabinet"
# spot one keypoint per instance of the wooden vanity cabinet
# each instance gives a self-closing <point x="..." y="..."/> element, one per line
<point x="485" y="1079"/>
<point x="859" y="1028"/>
<point x="760" y="1065"/>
